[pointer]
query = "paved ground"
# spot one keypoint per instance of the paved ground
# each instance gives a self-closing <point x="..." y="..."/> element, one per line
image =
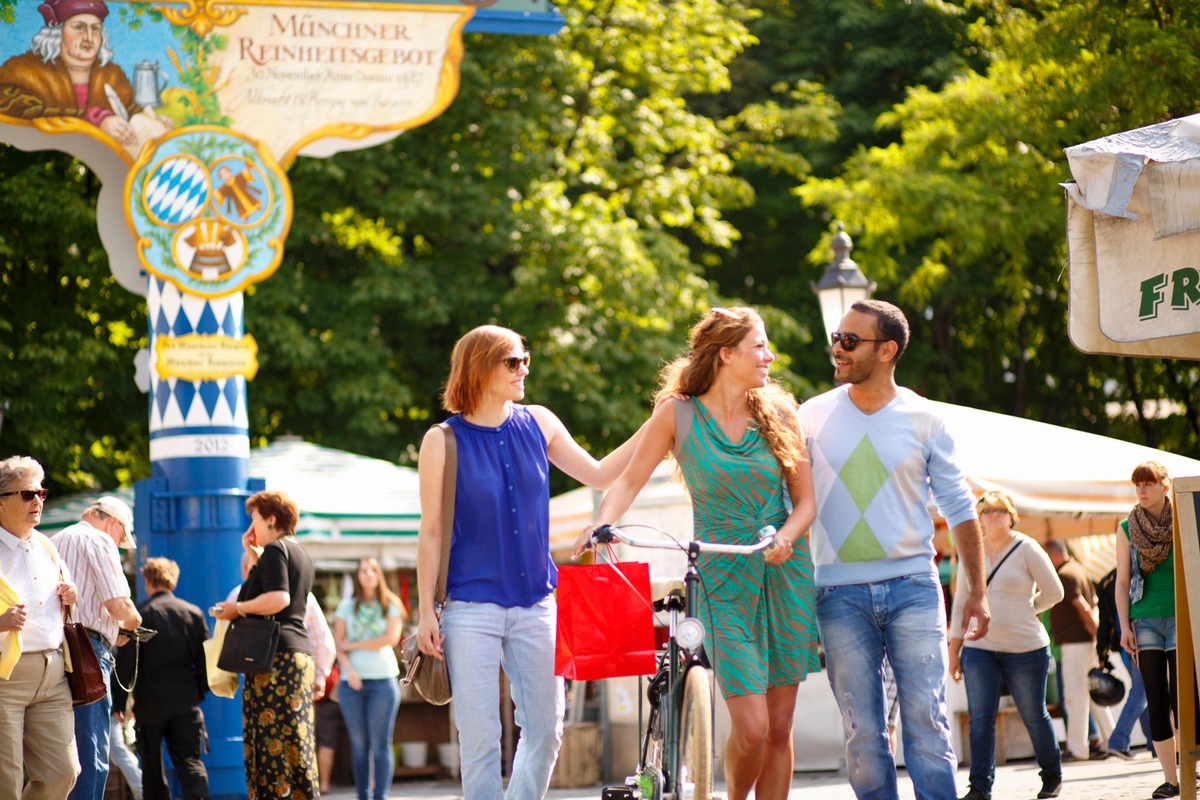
<point x="1111" y="779"/>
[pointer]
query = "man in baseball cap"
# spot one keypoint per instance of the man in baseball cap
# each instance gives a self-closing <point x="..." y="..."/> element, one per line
<point x="89" y="550"/>
<point x="118" y="509"/>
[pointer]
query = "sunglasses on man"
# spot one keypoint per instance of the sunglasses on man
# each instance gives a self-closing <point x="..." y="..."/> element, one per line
<point x="849" y="341"/>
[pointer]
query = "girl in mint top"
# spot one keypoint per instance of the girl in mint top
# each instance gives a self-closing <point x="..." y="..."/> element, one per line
<point x="1145" y="598"/>
<point x="366" y="629"/>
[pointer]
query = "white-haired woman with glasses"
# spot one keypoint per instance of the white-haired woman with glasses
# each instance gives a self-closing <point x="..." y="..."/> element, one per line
<point x="36" y="723"/>
<point x="499" y="610"/>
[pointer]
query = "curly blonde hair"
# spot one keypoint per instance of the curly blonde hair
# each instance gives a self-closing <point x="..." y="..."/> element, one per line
<point x="771" y="407"/>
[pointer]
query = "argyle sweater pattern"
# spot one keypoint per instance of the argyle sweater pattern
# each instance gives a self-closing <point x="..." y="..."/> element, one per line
<point x="873" y="476"/>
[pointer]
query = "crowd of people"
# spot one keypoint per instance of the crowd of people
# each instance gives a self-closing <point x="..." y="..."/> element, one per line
<point x="844" y="478"/>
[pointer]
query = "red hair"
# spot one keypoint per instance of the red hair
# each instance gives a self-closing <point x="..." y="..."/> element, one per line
<point x="474" y="357"/>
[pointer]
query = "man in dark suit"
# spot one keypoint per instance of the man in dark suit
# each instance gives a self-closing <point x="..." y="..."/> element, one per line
<point x="172" y="680"/>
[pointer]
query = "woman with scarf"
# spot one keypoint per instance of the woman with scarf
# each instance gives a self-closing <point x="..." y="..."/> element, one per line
<point x="1145" y="598"/>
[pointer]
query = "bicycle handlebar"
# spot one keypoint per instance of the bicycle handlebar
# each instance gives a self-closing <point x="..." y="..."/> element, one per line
<point x="604" y="534"/>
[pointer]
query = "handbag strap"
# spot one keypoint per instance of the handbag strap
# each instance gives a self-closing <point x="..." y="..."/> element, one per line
<point x="66" y="609"/>
<point x="1004" y="558"/>
<point x="449" y="485"/>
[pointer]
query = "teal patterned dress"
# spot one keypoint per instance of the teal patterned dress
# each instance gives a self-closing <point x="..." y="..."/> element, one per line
<point x="760" y="617"/>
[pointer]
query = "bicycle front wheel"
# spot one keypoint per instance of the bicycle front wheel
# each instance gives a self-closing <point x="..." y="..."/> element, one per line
<point x="694" y="781"/>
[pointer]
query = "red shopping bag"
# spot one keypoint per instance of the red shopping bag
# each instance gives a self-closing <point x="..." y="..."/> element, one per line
<point x="605" y="621"/>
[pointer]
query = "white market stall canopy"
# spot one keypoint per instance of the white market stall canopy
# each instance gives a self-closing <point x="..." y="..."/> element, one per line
<point x="1065" y="483"/>
<point x="350" y="505"/>
<point x="1051" y="471"/>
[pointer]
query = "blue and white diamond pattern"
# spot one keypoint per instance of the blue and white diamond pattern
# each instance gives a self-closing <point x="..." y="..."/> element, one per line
<point x="176" y="403"/>
<point x="177" y="190"/>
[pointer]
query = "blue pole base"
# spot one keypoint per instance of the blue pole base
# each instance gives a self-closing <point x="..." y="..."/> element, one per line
<point x="201" y="530"/>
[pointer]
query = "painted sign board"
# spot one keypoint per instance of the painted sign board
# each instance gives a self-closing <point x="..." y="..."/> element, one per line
<point x="115" y="83"/>
<point x="1133" y="232"/>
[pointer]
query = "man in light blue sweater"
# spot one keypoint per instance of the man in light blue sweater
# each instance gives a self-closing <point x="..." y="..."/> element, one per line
<point x="877" y="451"/>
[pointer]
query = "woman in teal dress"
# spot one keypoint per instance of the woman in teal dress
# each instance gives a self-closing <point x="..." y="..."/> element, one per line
<point x="742" y="456"/>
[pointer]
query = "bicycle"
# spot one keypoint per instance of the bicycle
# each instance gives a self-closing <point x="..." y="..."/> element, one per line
<point x="676" y="755"/>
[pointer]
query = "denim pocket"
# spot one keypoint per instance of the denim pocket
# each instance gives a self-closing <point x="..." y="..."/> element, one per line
<point x="923" y="579"/>
<point x="1137" y="585"/>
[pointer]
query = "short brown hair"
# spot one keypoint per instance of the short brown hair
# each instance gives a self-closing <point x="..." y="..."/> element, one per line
<point x="474" y="357"/>
<point x="161" y="572"/>
<point x="890" y="322"/>
<point x="272" y="503"/>
<point x="1150" y="472"/>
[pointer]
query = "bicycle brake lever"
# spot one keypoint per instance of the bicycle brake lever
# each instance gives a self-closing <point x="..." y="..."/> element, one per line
<point x="602" y="534"/>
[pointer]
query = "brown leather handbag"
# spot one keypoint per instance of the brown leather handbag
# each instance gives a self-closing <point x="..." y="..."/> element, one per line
<point x="83" y="668"/>
<point x="428" y="675"/>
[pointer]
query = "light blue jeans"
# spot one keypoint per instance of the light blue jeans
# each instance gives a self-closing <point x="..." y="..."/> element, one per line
<point x="91" y="735"/>
<point x="905" y="619"/>
<point x="480" y="639"/>
<point x="123" y="758"/>
<point x="370" y="716"/>
<point x="1134" y="712"/>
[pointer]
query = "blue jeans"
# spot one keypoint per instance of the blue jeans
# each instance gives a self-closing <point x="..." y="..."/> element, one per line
<point x="91" y="735"/>
<point x="123" y="758"/>
<point x="905" y="619"/>
<point x="1135" y="710"/>
<point x="480" y="639"/>
<point x="985" y="671"/>
<point x="370" y="715"/>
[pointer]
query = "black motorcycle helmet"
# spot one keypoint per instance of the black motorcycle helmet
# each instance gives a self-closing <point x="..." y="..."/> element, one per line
<point x="1104" y="687"/>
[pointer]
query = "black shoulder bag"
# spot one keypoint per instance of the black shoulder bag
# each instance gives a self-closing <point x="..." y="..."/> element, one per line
<point x="250" y="642"/>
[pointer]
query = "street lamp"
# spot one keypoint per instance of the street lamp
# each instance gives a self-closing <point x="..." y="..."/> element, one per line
<point x="842" y="284"/>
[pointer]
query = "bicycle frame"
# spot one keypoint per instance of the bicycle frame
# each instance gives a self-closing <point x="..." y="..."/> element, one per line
<point x="667" y="686"/>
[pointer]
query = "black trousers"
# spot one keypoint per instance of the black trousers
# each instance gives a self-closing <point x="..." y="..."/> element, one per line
<point x="182" y="730"/>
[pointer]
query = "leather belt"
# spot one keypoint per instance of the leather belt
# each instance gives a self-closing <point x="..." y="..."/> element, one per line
<point x="100" y="637"/>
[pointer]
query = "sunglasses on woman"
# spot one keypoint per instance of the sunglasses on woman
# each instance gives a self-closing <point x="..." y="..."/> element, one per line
<point x="849" y="341"/>
<point x="27" y="494"/>
<point x="514" y="363"/>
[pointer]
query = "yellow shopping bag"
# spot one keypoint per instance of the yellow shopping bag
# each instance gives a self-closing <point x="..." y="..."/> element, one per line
<point x="221" y="682"/>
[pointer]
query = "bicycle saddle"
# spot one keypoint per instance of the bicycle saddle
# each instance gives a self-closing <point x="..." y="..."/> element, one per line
<point x="661" y="588"/>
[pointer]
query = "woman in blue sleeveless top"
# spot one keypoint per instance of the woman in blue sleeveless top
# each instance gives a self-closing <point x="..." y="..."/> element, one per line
<point x="499" y="610"/>
<point x="742" y="456"/>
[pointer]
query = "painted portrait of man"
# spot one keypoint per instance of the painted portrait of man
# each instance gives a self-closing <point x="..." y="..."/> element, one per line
<point x="68" y="71"/>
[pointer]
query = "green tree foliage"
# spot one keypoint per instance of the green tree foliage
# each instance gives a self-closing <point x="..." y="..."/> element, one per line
<point x="569" y="193"/>
<point x="860" y="56"/>
<point x="598" y="190"/>
<point x="68" y="331"/>
<point x="961" y="220"/>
